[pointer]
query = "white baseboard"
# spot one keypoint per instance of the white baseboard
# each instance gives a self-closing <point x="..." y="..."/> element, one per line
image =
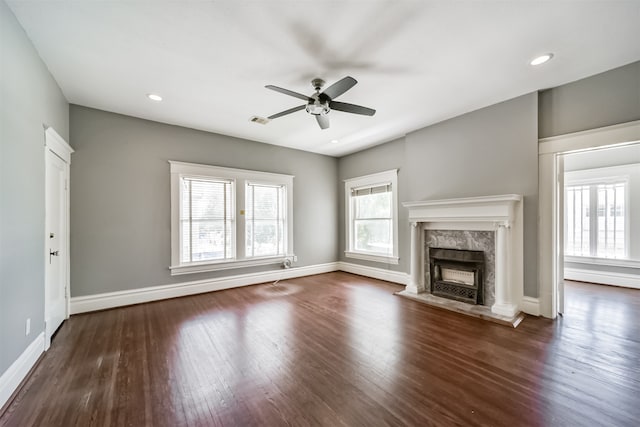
<point x="104" y="301"/>
<point x="604" y="277"/>
<point x="376" y="273"/>
<point x="530" y="305"/>
<point x="11" y="379"/>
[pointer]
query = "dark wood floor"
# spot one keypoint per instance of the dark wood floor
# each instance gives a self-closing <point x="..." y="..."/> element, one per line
<point x="337" y="350"/>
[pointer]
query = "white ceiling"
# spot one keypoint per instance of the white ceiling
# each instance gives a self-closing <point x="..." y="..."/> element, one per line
<point x="416" y="62"/>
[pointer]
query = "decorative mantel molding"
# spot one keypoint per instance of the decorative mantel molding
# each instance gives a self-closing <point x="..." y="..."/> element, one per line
<point x="502" y="214"/>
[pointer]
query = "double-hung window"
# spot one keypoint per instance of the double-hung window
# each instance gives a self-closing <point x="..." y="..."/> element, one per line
<point x="371" y="217"/>
<point x="225" y="218"/>
<point x="596" y="214"/>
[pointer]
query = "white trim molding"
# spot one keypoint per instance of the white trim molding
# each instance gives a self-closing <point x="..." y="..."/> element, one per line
<point x="399" y="277"/>
<point x="621" y="134"/>
<point x="17" y="372"/>
<point x="84" y="304"/>
<point x="530" y="305"/>
<point x="57" y="144"/>
<point x="603" y="277"/>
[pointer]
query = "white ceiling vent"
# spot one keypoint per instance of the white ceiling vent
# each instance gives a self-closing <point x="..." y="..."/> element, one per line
<point x="261" y="120"/>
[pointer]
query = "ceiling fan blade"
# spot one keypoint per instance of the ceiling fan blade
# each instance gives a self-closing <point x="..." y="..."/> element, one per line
<point x="285" y="112"/>
<point x="351" y="108"/>
<point x="288" y="92"/>
<point x="323" y="121"/>
<point x="340" y="87"/>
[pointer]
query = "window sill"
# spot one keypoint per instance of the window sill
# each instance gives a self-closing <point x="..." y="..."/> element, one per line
<point x="610" y="262"/>
<point x="372" y="257"/>
<point x="177" y="270"/>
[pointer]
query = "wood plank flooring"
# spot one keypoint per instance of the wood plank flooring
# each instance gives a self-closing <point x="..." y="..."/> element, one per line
<point x="337" y="350"/>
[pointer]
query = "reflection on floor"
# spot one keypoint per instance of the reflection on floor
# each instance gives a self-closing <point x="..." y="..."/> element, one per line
<point x="602" y="309"/>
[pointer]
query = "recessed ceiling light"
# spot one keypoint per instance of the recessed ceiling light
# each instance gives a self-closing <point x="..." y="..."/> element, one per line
<point x="334" y="141"/>
<point x="154" y="97"/>
<point x="541" y="59"/>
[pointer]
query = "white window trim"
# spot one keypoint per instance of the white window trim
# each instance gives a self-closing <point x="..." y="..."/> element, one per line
<point x="604" y="175"/>
<point x="240" y="178"/>
<point x="390" y="176"/>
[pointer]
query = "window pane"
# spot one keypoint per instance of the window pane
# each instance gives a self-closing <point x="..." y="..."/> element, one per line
<point x="209" y="239"/>
<point x="374" y="236"/>
<point x="373" y="205"/>
<point x="205" y="220"/>
<point x="577" y="214"/>
<point x="264" y="237"/>
<point x="265" y="221"/>
<point x="611" y="220"/>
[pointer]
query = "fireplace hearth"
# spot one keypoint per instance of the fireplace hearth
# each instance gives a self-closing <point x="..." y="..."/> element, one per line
<point x="457" y="274"/>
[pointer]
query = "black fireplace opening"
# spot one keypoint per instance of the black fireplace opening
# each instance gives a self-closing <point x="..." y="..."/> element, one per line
<point x="457" y="274"/>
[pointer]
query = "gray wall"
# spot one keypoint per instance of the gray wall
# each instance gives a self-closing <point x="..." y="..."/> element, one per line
<point x="490" y="151"/>
<point x="602" y="100"/>
<point x="29" y="97"/>
<point x="120" y="197"/>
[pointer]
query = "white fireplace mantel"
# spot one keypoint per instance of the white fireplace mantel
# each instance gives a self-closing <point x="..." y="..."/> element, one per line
<point x="502" y="214"/>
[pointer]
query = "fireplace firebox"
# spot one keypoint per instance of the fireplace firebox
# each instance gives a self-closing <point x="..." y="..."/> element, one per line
<point x="457" y="274"/>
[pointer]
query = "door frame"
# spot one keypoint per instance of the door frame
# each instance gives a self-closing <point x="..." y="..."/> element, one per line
<point x="54" y="143"/>
<point x="551" y="153"/>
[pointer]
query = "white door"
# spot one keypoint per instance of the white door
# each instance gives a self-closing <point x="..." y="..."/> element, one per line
<point x="56" y="255"/>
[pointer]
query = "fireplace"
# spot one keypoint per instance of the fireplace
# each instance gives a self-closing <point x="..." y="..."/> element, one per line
<point x="492" y="224"/>
<point x="457" y="274"/>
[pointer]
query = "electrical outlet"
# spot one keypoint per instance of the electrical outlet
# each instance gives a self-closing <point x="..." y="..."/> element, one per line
<point x="27" y="330"/>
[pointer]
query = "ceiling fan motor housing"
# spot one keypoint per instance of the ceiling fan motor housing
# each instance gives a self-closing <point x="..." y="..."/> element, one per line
<point x="317" y="106"/>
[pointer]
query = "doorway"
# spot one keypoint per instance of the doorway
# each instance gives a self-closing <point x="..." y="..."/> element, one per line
<point x="551" y="157"/>
<point x="57" y="261"/>
<point x="601" y="219"/>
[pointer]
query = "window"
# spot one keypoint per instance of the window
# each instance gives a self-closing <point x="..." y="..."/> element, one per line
<point x="596" y="215"/>
<point x="371" y="217"/>
<point x="228" y="218"/>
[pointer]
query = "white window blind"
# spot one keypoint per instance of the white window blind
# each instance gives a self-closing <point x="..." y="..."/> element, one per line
<point x="265" y="220"/>
<point x="596" y="219"/>
<point x="372" y="219"/>
<point x="206" y="219"/>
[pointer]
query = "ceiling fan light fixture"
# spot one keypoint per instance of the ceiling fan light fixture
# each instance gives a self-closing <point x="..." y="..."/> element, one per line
<point x="154" y="97"/>
<point x="541" y="59"/>
<point x="317" y="107"/>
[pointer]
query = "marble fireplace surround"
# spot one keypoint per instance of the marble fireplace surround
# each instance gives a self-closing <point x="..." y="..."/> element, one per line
<point x="501" y="214"/>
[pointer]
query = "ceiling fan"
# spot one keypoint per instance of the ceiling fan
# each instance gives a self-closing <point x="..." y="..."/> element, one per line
<point x="320" y="104"/>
